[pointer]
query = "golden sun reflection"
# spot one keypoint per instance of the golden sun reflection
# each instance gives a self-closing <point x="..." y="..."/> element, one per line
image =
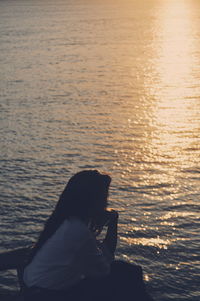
<point x="151" y="242"/>
<point x="157" y="242"/>
<point x="176" y="214"/>
<point x="175" y="63"/>
<point x="175" y="102"/>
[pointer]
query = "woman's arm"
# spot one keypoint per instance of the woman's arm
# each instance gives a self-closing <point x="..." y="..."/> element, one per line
<point x="111" y="236"/>
<point x="107" y="218"/>
<point x="96" y="259"/>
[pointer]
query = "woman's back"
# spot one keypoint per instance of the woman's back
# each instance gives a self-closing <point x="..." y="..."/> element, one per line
<point x="66" y="258"/>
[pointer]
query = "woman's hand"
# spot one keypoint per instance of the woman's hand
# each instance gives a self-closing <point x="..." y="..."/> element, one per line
<point x="111" y="235"/>
<point x="112" y="216"/>
<point x="105" y="218"/>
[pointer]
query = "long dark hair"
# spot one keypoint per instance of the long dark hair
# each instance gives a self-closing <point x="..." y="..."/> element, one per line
<point x="84" y="196"/>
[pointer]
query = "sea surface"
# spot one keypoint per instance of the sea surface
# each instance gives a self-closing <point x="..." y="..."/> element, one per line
<point x="112" y="85"/>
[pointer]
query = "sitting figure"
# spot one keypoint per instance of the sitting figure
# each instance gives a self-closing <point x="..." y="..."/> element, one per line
<point x="68" y="262"/>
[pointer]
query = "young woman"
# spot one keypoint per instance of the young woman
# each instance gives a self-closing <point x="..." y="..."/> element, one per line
<point x="68" y="262"/>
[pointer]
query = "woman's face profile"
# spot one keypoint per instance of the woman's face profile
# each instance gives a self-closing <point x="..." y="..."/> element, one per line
<point x="104" y="183"/>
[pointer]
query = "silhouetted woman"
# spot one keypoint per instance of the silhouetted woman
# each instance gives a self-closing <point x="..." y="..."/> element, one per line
<point x="68" y="262"/>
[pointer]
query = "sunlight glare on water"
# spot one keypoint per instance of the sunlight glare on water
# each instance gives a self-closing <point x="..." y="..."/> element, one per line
<point x="110" y="85"/>
<point x="172" y="93"/>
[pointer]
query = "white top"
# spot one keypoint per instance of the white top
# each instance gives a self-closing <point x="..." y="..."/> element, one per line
<point x="71" y="254"/>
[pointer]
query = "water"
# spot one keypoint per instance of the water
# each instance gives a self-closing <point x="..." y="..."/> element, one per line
<point x="111" y="85"/>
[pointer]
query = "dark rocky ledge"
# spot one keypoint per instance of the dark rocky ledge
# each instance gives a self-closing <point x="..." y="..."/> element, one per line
<point x="13" y="260"/>
<point x="17" y="258"/>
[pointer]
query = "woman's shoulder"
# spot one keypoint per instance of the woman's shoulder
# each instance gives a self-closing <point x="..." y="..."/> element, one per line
<point x="76" y="227"/>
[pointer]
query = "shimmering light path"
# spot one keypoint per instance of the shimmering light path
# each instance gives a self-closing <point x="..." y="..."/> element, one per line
<point x="111" y="85"/>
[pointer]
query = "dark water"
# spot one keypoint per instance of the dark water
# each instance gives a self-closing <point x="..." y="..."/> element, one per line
<point x="111" y="85"/>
